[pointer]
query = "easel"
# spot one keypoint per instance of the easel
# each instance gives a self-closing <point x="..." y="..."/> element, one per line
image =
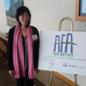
<point x="60" y="26"/>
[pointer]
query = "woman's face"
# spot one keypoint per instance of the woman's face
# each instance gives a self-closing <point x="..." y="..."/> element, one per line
<point x="24" y="19"/>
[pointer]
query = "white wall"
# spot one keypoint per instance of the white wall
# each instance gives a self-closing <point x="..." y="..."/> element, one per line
<point x="46" y="15"/>
<point x="2" y="17"/>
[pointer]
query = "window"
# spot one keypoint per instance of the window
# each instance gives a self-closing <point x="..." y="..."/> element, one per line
<point x="80" y="10"/>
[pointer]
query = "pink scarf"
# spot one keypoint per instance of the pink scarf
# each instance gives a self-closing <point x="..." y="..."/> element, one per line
<point x="18" y="53"/>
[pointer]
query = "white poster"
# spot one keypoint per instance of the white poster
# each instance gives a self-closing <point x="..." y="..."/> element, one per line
<point x="63" y="52"/>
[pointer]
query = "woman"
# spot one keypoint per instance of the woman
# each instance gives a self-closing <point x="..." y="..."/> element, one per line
<point x="23" y="49"/>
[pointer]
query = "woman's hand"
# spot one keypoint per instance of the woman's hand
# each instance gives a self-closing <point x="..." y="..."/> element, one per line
<point x="11" y="72"/>
<point x="36" y="72"/>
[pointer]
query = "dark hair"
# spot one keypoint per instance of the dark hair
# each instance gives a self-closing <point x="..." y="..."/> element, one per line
<point x="21" y="10"/>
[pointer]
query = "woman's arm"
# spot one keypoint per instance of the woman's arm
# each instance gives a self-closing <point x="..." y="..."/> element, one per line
<point x="10" y="48"/>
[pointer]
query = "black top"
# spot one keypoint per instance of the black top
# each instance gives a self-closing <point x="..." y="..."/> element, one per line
<point x="36" y="44"/>
<point x="25" y="52"/>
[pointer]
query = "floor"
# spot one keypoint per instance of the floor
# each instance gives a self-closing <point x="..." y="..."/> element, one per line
<point x="5" y="79"/>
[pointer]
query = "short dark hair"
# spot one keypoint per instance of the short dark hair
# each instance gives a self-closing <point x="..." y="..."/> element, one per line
<point x="21" y="10"/>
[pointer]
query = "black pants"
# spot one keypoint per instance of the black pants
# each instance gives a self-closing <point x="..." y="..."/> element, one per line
<point x="25" y="82"/>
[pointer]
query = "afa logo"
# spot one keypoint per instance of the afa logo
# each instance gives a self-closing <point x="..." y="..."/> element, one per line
<point x="64" y="44"/>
